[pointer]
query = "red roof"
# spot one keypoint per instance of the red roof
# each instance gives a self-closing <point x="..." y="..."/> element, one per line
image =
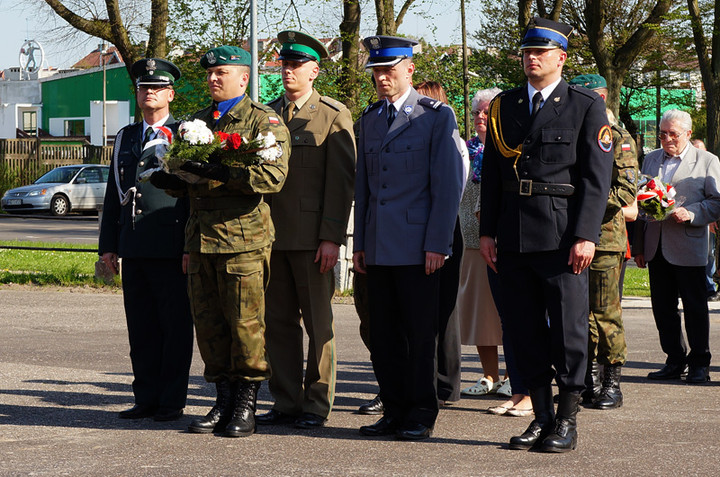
<point x="111" y="57"/>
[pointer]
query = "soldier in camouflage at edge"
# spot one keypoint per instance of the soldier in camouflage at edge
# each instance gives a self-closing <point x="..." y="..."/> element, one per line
<point x="606" y="343"/>
<point x="229" y="236"/>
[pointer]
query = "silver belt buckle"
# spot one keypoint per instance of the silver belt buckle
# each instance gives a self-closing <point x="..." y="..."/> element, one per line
<point x="525" y="187"/>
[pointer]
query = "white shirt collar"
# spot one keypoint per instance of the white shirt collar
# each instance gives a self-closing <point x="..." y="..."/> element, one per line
<point x="156" y="125"/>
<point x="401" y="100"/>
<point x="546" y="91"/>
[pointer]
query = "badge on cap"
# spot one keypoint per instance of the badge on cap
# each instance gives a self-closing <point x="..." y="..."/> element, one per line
<point x="210" y="57"/>
<point x="150" y="66"/>
<point x="605" y="138"/>
<point x="291" y="36"/>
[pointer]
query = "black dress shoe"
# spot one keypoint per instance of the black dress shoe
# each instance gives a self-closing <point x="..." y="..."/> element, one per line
<point x="414" y="432"/>
<point x="309" y="420"/>
<point x="274" y="417"/>
<point x="386" y="426"/>
<point x="669" y="371"/>
<point x="372" y="408"/>
<point x="138" y="411"/>
<point x="164" y="414"/>
<point x="714" y="296"/>
<point x="698" y="375"/>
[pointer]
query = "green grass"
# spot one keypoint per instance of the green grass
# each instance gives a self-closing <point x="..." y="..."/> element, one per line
<point x="42" y="267"/>
<point x="636" y="282"/>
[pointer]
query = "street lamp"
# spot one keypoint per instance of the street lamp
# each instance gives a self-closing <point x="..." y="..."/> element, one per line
<point x="103" y="52"/>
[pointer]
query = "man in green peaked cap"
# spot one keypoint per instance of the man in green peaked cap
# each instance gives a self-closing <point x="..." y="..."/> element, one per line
<point x="310" y="216"/>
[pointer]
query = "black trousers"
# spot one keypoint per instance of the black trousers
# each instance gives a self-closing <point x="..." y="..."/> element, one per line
<point x="160" y="330"/>
<point x="403" y="304"/>
<point x="545" y="305"/>
<point x="667" y="282"/>
<point x="448" y="349"/>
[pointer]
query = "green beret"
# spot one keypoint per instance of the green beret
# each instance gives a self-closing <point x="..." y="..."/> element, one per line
<point x="225" y="55"/>
<point x="299" y="46"/>
<point x="155" y="72"/>
<point x="589" y="81"/>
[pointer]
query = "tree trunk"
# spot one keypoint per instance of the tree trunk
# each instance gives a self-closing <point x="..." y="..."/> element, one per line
<point x="350" y="67"/>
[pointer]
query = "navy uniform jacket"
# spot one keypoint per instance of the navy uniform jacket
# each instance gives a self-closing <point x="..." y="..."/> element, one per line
<point x="408" y="183"/>
<point x="159" y="225"/>
<point x="569" y="142"/>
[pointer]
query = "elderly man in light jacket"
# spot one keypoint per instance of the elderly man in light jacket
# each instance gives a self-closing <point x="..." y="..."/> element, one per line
<point x="675" y="249"/>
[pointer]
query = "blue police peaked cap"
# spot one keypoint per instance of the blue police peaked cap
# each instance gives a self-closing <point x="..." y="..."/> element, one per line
<point x="388" y="50"/>
<point x="546" y="34"/>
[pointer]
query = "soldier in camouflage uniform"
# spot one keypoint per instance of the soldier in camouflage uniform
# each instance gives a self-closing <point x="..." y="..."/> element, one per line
<point x="228" y="236"/>
<point x="606" y="344"/>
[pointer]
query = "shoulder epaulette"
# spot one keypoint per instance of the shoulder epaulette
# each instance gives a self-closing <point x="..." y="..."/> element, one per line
<point x="333" y="103"/>
<point x="430" y="103"/>
<point x="373" y="106"/>
<point x="584" y="91"/>
<point x="263" y="107"/>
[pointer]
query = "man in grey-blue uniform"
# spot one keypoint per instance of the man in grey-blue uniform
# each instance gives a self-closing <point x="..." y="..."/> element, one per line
<point x="146" y="228"/>
<point x="407" y="192"/>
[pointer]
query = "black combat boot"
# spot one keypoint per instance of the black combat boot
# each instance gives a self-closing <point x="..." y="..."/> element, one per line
<point x="541" y="426"/>
<point x="219" y="415"/>
<point x="610" y="394"/>
<point x="564" y="435"/>
<point x="242" y="422"/>
<point x="592" y="383"/>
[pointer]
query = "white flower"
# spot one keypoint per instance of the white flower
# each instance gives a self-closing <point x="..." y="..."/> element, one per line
<point x="270" y="154"/>
<point x="268" y="141"/>
<point x="195" y="132"/>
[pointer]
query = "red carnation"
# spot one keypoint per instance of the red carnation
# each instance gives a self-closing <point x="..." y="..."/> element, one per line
<point x="236" y="140"/>
<point x="651" y="185"/>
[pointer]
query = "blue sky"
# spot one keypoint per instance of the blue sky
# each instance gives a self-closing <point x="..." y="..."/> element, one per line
<point x="19" y="23"/>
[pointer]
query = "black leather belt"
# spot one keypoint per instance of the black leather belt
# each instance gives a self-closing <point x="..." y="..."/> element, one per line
<point x="528" y="187"/>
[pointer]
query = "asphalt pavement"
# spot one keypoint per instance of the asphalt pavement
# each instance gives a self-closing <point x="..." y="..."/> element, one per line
<point x="65" y="373"/>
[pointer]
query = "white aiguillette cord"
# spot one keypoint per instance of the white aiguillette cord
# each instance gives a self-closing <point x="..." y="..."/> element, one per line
<point x="132" y="191"/>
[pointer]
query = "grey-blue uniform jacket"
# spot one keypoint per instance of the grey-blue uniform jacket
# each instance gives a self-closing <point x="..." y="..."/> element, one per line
<point x="408" y="183"/>
<point x="568" y="142"/>
<point x="158" y="228"/>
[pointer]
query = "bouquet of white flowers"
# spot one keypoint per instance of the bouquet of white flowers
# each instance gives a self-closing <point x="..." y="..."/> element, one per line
<point x="196" y="142"/>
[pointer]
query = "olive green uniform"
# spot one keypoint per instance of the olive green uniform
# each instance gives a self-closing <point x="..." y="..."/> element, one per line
<point x="607" y="336"/>
<point x="228" y="235"/>
<point x="313" y="206"/>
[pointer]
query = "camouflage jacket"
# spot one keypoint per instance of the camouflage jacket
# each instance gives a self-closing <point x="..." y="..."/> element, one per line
<point x="232" y="217"/>
<point x="623" y="189"/>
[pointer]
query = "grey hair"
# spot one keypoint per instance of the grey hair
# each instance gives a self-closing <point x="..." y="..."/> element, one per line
<point x="680" y="117"/>
<point x="484" y="95"/>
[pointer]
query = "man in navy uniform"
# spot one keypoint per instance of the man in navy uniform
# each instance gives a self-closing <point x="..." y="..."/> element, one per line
<point x="407" y="192"/>
<point x="310" y="215"/>
<point x="146" y="228"/>
<point x="546" y="177"/>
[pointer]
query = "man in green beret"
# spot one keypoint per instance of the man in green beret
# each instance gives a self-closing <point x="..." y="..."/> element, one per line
<point x="228" y="236"/>
<point x="310" y="215"/>
<point x="606" y="344"/>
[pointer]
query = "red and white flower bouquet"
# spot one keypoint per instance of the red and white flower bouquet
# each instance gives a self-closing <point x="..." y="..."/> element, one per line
<point x="656" y="199"/>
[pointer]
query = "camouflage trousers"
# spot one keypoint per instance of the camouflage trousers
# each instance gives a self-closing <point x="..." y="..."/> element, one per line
<point x="227" y="298"/>
<point x="606" y="343"/>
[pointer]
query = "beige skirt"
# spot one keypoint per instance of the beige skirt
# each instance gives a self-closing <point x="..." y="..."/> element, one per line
<point x="479" y="319"/>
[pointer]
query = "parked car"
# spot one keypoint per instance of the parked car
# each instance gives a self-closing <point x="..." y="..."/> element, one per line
<point x="66" y="188"/>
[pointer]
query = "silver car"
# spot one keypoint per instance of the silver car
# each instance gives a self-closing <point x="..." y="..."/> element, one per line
<point x="66" y="188"/>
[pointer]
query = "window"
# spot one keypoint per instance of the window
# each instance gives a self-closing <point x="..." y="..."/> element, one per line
<point x="29" y="122"/>
<point x="75" y="127"/>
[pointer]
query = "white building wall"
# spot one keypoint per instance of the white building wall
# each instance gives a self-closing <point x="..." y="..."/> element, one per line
<point x="117" y="114"/>
<point x="16" y="96"/>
